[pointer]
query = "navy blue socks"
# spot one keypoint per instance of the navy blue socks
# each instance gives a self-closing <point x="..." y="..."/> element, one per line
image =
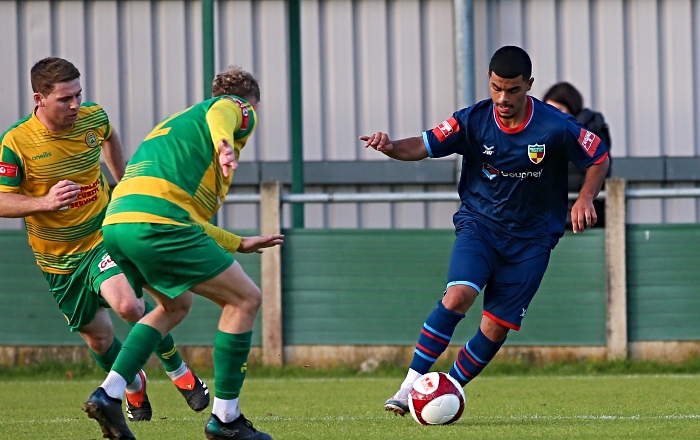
<point x="434" y="337"/>
<point x="473" y="357"/>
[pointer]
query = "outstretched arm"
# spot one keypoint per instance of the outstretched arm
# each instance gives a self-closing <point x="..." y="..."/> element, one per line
<point x="403" y="149"/>
<point x="245" y="245"/>
<point x="583" y="213"/>
<point x="257" y="244"/>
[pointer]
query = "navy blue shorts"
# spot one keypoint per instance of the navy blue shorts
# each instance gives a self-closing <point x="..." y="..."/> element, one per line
<point x="508" y="271"/>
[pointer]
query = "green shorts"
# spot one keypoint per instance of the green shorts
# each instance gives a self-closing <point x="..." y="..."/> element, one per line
<point x="169" y="258"/>
<point x="78" y="293"/>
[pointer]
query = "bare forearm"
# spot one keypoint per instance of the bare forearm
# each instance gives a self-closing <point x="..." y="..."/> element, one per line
<point x="408" y="149"/>
<point x="18" y="205"/>
<point x="61" y="195"/>
<point x="113" y="155"/>
<point x="595" y="176"/>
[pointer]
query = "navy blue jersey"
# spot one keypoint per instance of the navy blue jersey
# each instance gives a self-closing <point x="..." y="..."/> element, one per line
<point x="514" y="180"/>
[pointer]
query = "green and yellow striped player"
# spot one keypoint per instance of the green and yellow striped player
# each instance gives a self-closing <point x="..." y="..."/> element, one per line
<point x="157" y="230"/>
<point x="50" y="175"/>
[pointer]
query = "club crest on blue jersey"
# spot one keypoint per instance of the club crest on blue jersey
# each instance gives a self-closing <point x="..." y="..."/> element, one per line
<point x="535" y="153"/>
<point x="489" y="171"/>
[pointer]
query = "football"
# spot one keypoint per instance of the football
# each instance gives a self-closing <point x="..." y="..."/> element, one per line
<point x="436" y="399"/>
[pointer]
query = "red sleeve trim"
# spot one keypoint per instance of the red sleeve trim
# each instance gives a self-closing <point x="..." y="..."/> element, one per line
<point x="601" y="160"/>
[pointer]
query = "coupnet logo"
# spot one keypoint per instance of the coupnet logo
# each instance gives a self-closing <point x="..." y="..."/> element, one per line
<point x="491" y="173"/>
<point x="523" y="175"/>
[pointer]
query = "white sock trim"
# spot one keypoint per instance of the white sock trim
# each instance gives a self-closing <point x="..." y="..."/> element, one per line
<point x="226" y="410"/>
<point x="136" y="385"/>
<point x="115" y="385"/>
<point x="411" y="377"/>
<point x="181" y="371"/>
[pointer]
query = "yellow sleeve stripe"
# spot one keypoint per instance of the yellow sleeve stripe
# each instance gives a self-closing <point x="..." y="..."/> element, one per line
<point x="227" y="240"/>
<point x="161" y="188"/>
<point x="140" y="217"/>
<point x="224" y="118"/>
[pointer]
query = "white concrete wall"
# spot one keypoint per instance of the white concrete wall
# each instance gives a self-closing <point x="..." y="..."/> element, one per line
<point x="370" y="65"/>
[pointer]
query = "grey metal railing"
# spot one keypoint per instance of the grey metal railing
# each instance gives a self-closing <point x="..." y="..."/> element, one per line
<point x="440" y="196"/>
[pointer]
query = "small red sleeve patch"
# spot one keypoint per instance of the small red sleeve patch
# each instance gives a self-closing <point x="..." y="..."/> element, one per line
<point x="244" y="111"/>
<point x="446" y="129"/>
<point x="588" y="141"/>
<point x="8" y="169"/>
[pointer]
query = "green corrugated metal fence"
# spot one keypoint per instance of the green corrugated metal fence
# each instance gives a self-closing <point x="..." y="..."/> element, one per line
<point x="32" y="316"/>
<point x="663" y="282"/>
<point x="375" y="287"/>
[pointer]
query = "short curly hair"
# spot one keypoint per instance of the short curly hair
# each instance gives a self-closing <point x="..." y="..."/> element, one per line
<point x="236" y="81"/>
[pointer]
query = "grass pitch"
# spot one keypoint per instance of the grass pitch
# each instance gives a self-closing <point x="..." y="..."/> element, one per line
<point x="609" y="406"/>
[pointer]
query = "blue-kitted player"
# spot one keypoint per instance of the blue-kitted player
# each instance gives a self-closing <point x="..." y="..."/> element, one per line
<point x="513" y="190"/>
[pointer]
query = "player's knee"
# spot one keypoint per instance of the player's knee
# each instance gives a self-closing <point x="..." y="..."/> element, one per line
<point x="459" y="298"/>
<point x="99" y="342"/>
<point x="250" y="299"/>
<point x="257" y="300"/>
<point x="177" y="308"/>
<point x="493" y="330"/>
<point x="130" y="311"/>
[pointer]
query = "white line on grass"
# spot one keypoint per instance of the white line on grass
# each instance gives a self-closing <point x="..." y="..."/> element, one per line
<point x="587" y="417"/>
<point x="374" y="418"/>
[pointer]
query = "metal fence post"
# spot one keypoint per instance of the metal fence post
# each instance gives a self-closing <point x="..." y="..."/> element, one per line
<point x="615" y="262"/>
<point x="271" y="276"/>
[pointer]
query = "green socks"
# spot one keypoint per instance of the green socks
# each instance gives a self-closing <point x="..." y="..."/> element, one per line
<point x="230" y="363"/>
<point x="166" y="350"/>
<point x="106" y="360"/>
<point x="168" y="354"/>
<point x="137" y="348"/>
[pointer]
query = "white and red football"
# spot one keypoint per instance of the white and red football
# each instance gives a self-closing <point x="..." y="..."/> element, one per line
<point x="436" y="399"/>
